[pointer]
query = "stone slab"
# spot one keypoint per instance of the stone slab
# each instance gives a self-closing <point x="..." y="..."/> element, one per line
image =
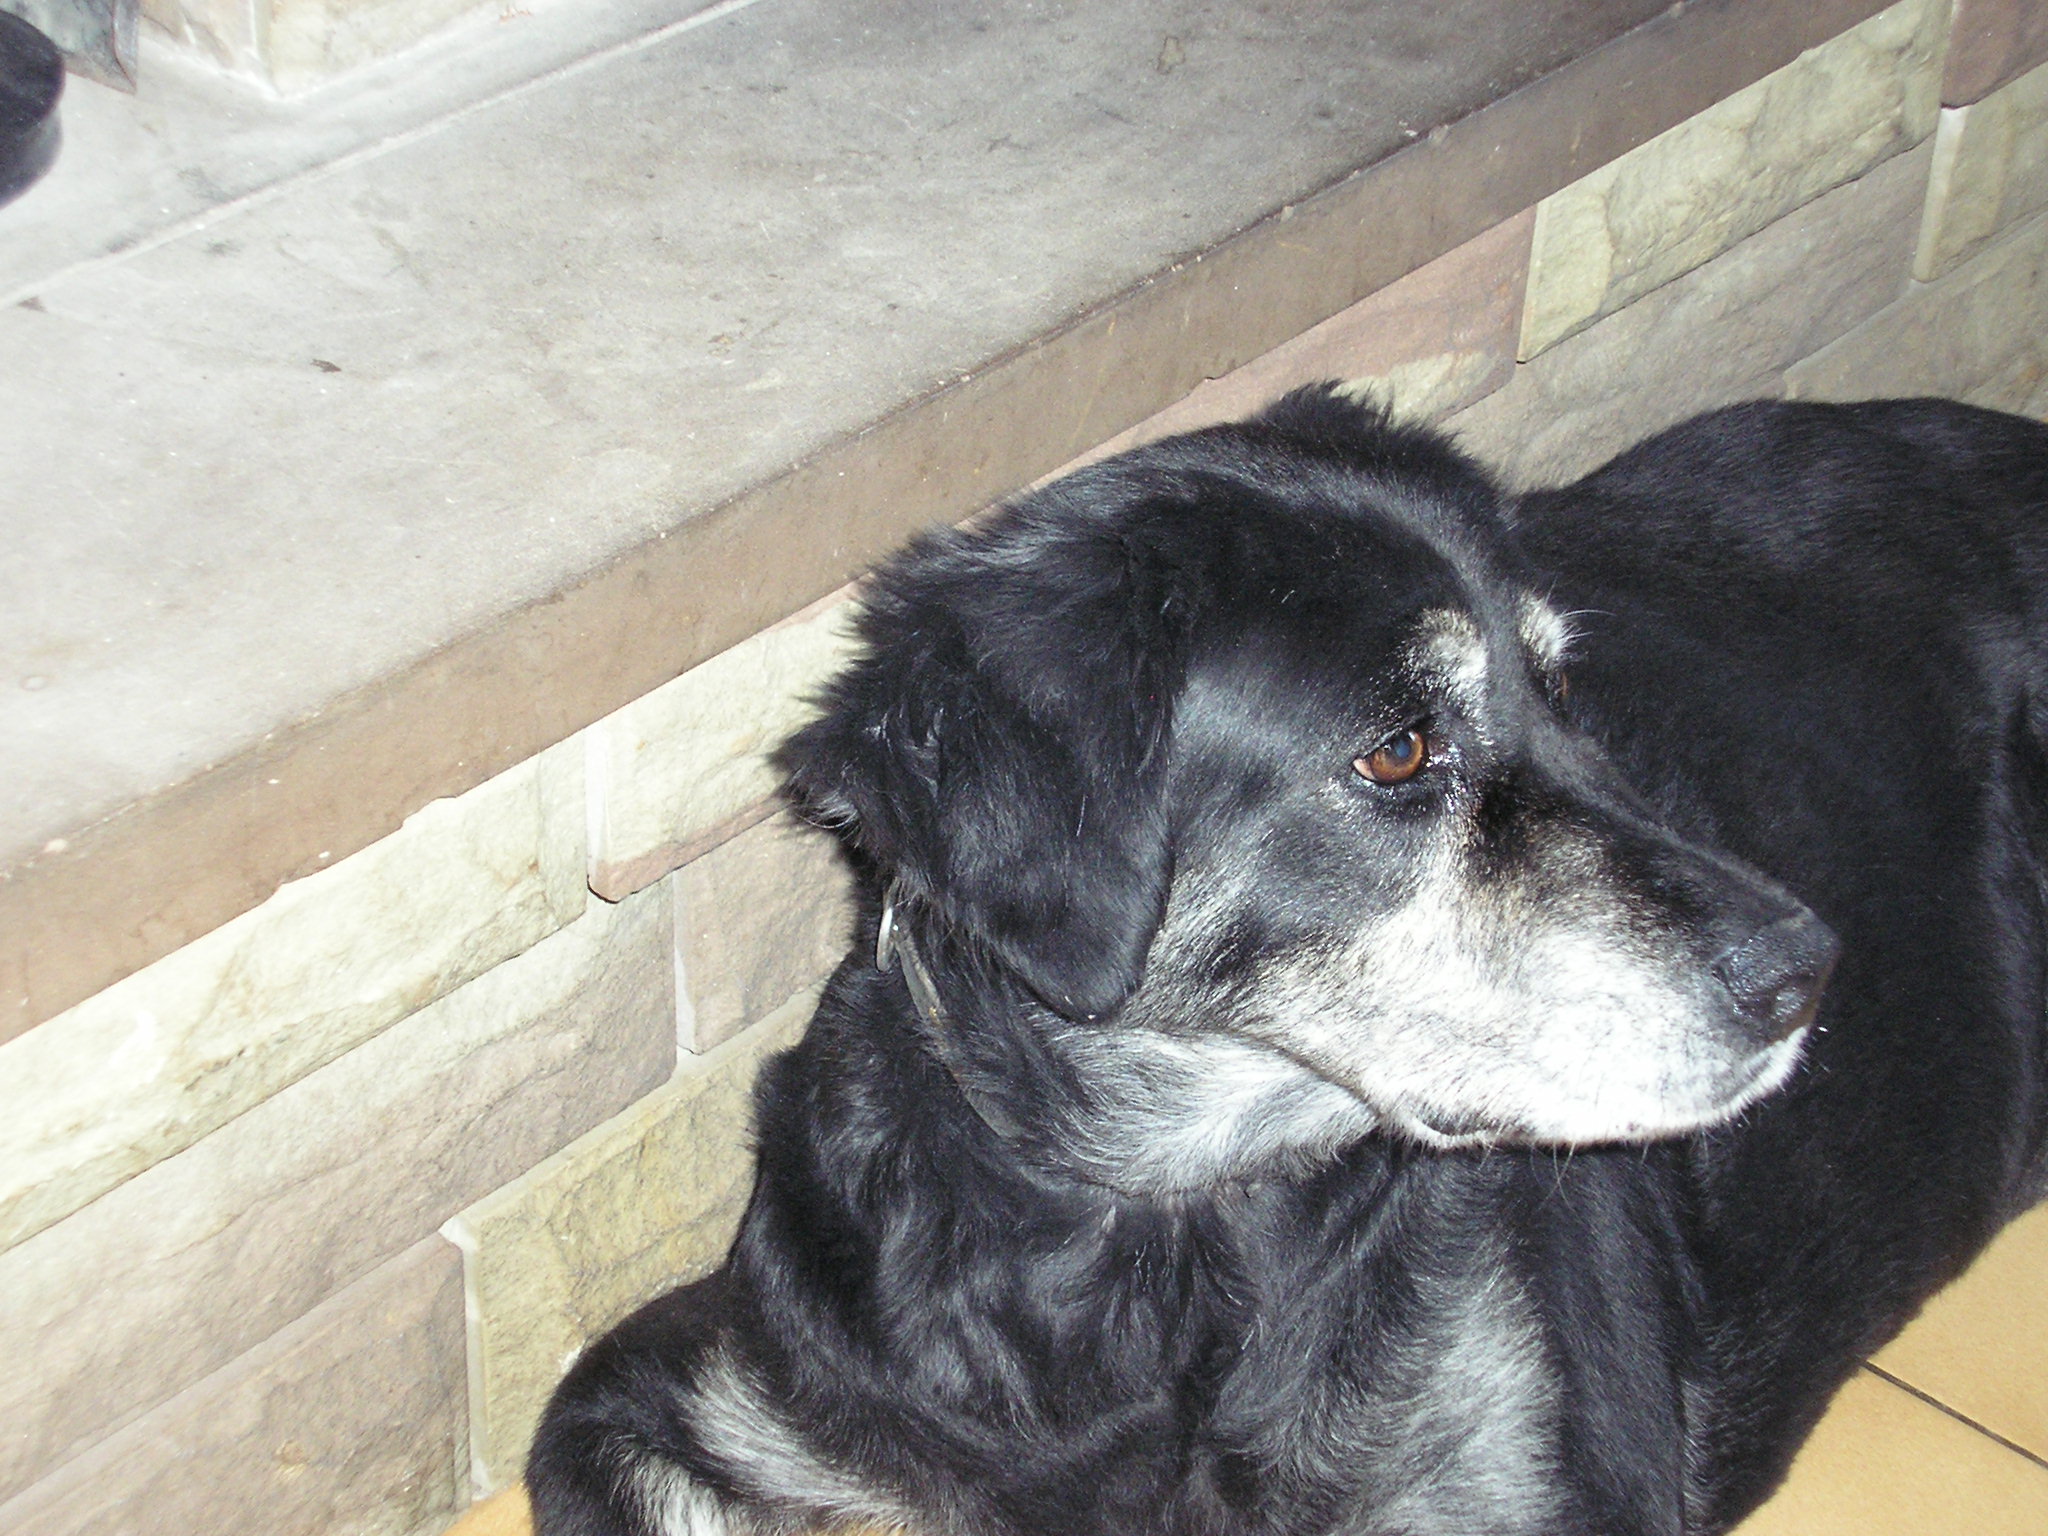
<point x="561" y="323"/>
<point x="1979" y="333"/>
<point x="183" y="1267"/>
<point x="642" y="1203"/>
<point x="673" y="771"/>
<point x="559" y="584"/>
<point x="758" y="918"/>
<point x="1990" y="171"/>
<point x="152" y="1064"/>
<point x="1991" y="43"/>
<point x="1723" y="332"/>
<point x="351" y="1419"/>
<point x="1692" y="192"/>
<point x="1427" y="344"/>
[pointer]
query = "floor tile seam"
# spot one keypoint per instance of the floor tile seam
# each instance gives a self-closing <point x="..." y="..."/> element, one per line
<point x="1961" y="1418"/>
<point x="362" y="154"/>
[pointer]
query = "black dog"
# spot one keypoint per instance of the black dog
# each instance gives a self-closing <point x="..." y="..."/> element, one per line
<point x="1331" y="1075"/>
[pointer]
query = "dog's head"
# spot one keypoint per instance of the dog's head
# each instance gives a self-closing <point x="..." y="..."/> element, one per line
<point x="1244" y="755"/>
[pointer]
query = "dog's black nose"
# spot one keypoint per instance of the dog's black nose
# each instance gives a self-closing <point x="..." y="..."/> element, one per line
<point x="1776" y="975"/>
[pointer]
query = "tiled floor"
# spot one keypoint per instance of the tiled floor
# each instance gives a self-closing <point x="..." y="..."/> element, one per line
<point x="502" y="1514"/>
<point x="1945" y="1435"/>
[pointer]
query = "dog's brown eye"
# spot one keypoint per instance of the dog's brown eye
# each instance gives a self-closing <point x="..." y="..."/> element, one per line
<point x="1395" y="760"/>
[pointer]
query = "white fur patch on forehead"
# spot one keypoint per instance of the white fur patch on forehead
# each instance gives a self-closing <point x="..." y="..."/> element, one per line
<point x="1450" y="653"/>
<point x="1545" y="631"/>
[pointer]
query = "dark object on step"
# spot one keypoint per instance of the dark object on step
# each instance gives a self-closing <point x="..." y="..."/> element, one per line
<point x="31" y="80"/>
<point x="98" y="38"/>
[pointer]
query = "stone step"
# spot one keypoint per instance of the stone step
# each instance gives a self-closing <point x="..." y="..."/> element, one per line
<point x="392" y="449"/>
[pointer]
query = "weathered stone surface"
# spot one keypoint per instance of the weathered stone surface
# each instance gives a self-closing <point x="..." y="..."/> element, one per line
<point x="153" y="1063"/>
<point x="1697" y="189"/>
<point x="314" y="40"/>
<point x="561" y="781"/>
<point x="680" y="769"/>
<point x="351" y="1419"/>
<point x="1980" y="334"/>
<point x="1992" y="42"/>
<point x="1990" y="171"/>
<point x="757" y="918"/>
<point x="642" y="1203"/>
<point x="541" y="406"/>
<point x="1721" y="333"/>
<point x="177" y="1271"/>
<point x="296" y="45"/>
<point x="1427" y="344"/>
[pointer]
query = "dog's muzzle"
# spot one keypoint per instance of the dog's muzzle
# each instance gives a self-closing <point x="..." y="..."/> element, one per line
<point x="1776" y="976"/>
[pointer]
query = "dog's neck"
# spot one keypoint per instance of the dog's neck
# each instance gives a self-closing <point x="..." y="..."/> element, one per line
<point x="895" y="945"/>
<point x="1131" y="1110"/>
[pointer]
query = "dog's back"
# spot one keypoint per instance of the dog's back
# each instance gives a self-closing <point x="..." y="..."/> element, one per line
<point x="1817" y="637"/>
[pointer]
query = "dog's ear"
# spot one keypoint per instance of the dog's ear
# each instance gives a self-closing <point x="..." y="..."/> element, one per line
<point x="999" y="744"/>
